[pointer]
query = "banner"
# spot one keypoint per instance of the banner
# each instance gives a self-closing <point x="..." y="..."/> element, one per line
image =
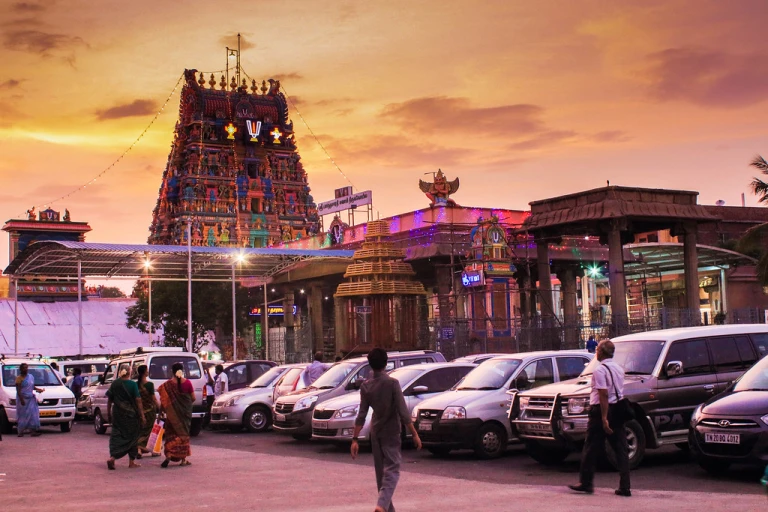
<point x="345" y="203"/>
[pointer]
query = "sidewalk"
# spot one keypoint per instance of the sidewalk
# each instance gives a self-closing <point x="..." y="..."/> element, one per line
<point x="68" y="473"/>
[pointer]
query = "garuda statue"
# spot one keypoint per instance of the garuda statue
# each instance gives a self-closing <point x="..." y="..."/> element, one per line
<point x="439" y="191"/>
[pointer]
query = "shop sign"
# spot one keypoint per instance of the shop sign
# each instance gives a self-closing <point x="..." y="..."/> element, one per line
<point x="472" y="278"/>
<point x="345" y="203"/>
<point x="271" y="311"/>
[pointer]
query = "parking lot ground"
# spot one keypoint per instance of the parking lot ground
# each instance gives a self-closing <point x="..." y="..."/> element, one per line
<point x="268" y="472"/>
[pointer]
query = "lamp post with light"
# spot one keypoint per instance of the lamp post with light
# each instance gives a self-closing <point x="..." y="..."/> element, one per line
<point x="234" y="54"/>
<point x="237" y="258"/>
<point x="147" y="266"/>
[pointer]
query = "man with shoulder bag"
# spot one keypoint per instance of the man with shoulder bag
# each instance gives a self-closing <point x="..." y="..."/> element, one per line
<point x="608" y="412"/>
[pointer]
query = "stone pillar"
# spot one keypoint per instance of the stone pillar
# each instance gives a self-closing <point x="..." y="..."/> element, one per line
<point x="315" y="301"/>
<point x="585" y="309"/>
<point x="567" y="276"/>
<point x="342" y="326"/>
<point x="443" y="277"/>
<point x="545" y="280"/>
<point x="288" y="320"/>
<point x="616" y="281"/>
<point x="691" y="263"/>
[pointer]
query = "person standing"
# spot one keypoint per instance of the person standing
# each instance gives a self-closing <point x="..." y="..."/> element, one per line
<point x="591" y="345"/>
<point x="383" y="393"/>
<point x="221" y="383"/>
<point x="125" y="415"/>
<point x="56" y="370"/>
<point x="77" y="383"/>
<point x="317" y="368"/>
<point x="177" y="395"/>
<point x="149" y="407"/>
<point x="27" y="410"/>
<point x="607" y="390"/>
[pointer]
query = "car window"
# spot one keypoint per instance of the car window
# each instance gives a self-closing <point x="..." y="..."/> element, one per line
<point x="535" y="374"/>
<point x="414" y="360"/>
<point x="570" y="367"/>
<point x="761" y="343"/>
<point x="42" y="373"/>
<point x="258" y="369"/>
<point x="109" y="376"/>
<point x="135" y="368"/>
<point x="438" y="380"/>
<point x="160" y="367"/>
<point x="290" y="378"/>
<point x="746" y="352"/>
<point x="362" y="374"/>
<point x="124" y="366"/>
<point x="693" y="354"/>
<point x="237" y="375"/>
<point x="725" y="354"/>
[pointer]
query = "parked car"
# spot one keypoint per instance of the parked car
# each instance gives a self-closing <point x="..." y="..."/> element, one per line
<point x="293" y="412"/>
<point x="250" y="407"/>
<point x="84" y="404"/>
<point x="56" y="402"/>
<point x="669" y="373"/>
<point x="473" y="415"/>
<point x="242" y="373"/>
<point x="476" y="358"/>
<point x="88" y="379"/>
<point x="87" y="366"/>
<point x="334" y="419"/>
<point x="733" y="427"/>
<point x="294" y="379"/>
<point x="159" y="361"/>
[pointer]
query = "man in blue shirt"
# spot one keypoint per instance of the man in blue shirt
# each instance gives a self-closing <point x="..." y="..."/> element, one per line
<point x="591" y="345"/>
<point x="77" y="383"/>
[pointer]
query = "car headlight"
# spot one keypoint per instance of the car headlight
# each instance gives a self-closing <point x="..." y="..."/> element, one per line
<point x="454" y="413"/>
<point x="524" y="402"/>
<point x="232" y="401"/>
<point x="347" y="412"/>
<point x="415" y="414"/>
<point x="305" y="403"/>
<point x="12" y="401"/>
<point x="765" y="419"/>
<point x="68" y="401"/>
<point x="697" y="413"/>
<point x="577" y="405"/>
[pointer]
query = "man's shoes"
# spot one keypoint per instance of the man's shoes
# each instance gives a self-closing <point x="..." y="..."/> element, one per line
<point x="582" y="488"/>
<point x="623" y="492"/>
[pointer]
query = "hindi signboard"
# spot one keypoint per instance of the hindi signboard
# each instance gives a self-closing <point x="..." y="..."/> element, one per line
<point x="345" y="203"/>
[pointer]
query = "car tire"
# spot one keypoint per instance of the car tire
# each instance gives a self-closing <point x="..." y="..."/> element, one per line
<point x="98" y="423"/>
<point x="196" y="427"/>
<point x="490" y="441"/>
<point x="713" y="466"/>
<point x="635" y="443"/>
<point x="65" y="427"/>
<point x="544" y="455"/>
<point x="257" y="418"/>
<point x="439" y="451"/>
<point x="5" y="426"/>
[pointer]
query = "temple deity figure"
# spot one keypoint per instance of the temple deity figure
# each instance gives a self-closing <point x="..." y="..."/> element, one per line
<point x="439" y="191"/>
<point x="31" y="213"/>
<point x="67" y="217"/>
<point x="211" y="237"/>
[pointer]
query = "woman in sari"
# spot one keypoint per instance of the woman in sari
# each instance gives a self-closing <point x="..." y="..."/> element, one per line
<point x="176" y="398"/>
<point x="27" y="411"/>
<point x="149" y="406"/>
<point x="125" y="415"/>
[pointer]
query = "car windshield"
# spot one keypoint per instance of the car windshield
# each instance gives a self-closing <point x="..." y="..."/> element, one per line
<point x="636" y="357"/>
<point x="492" y="374"/>
<point x="756" y="378"/>
<point x="405" y="375"/>
<point x="334" y="376"/>
<point x="267" y="378"/>
<point x="42" y="373"/>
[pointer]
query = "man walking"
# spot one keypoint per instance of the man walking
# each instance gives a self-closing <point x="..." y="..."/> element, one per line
<point x="221" y="382"/>
<point x="317" y="368"/>
<point x="607" y="390"/>
<point x="383" y="393"/>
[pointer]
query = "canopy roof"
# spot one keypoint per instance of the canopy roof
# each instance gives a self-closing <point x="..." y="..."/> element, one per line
<point x="60" y="259"/>
<point x="655" y="258"/>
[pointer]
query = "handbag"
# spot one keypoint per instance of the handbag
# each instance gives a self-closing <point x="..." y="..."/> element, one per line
<point x="155" y="441"/>
<point x="622" y="411"/>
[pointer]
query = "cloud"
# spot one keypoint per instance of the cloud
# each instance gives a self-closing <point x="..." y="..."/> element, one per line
<point x="11" y="83"/>
<point x="292" y="76"/>
<point x="393" y="151"/>
<point x="230" y="41"/>
<point x="41" y="43"/>
<point x="708" y="78"/>
<point x="133" y="109"/>
<point x="450" y="115"/>
<point x="548" y="138"/>
<point x="611" y="136"/>
<point x="27" y="7"/>
<point x="9" y="114"/>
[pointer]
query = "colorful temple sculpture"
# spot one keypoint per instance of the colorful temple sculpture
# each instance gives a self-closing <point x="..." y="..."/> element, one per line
<point x="234" y="177"/>
<point x="47" y="224"/>
<point x="382" y="303"/>
<point x="440" y="190"/>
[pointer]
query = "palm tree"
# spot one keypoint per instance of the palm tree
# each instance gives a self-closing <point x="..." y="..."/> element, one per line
<point x="753" y="239"/>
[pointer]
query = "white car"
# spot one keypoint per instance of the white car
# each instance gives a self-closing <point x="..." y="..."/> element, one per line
<point x="335" y="419"/>
<point x="474" y="414"/>
<point x="56" y="402"/>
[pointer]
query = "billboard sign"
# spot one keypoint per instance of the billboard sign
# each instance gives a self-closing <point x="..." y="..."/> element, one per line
<point x="345" y="203"/>
<point x="271" y="311"/>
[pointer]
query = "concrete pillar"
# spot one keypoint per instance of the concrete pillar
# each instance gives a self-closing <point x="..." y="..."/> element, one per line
<point x="691" y="263"/>
<point x="545" y="280"/>
<point x="616" y="281"/>
<point x="315" y="301"/>
<point x="288" y="320"/>
<point x="567" y="276"/>
<point x="342" y="326"/>
<point x="723" y="291"/>
<point x="443" y="277"/>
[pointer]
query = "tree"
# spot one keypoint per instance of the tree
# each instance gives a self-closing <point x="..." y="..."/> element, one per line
<point x="753" y="241"/>
<point x="211" y="311"/>
<point x="111" y="292"/>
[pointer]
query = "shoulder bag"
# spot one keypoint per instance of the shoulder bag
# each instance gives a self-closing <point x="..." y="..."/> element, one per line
<point x="622" y="411"/>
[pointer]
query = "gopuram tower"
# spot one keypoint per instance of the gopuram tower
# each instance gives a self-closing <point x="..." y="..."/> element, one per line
<point x="233" y="173"/>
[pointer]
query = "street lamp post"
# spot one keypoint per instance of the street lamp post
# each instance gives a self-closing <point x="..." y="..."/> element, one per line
<point x="147" y="265"/>
<point x="189" y="284"/>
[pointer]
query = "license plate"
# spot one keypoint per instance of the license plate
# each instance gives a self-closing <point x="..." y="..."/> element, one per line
<point x="321" y="425"/>
<point x="279" y="417"/>
<point x="425" y="426"/>
<point x="536" y="428"/>
<point x="47" y="414"/>
<point x="722" y="438"/>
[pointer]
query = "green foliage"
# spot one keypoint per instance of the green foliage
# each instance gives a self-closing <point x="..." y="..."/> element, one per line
<point x="211" y="311"/>
<point x="753" y="241"/>
<point x="111" y="292"/>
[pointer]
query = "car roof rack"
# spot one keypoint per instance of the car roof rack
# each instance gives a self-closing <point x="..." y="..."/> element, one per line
<point x="144" y="350"/>
<point x="20" y="355"/>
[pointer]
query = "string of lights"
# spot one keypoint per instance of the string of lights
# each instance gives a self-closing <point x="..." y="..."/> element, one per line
<point x="124" y="153"/>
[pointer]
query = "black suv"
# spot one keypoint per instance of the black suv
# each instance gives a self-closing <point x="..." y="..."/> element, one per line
<point x="733" y="427"/>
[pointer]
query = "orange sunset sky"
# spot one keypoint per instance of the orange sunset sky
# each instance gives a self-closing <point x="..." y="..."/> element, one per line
<point x="520" y="99"/>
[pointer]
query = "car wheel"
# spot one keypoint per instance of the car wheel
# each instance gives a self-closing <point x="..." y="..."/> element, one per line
<point x="257" y="418"/>
<point x="635" y="445"/>
<point x="98" y="423"/>
<point x="65" y="427"/>
<point x="5" y="425"/>
<point x="439" y="451"/>
<point x="490" y="441"/>
<point x="713" y="466"/>
<point x="545" y="455"/>
<point x="196" y="427"/>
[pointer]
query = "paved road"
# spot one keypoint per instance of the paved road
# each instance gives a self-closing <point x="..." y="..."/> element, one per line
<point x="269" y="472"/>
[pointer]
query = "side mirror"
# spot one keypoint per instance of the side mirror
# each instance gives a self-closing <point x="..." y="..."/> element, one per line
<point x="353" y="386"/>
<point x="674" y="368"/>
<point x="418" y="390"/>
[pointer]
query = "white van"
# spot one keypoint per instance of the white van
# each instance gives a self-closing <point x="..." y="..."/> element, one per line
<point x="159" y="360"/>
<point x="67" y="367"/>
<point x="56" y="402"/>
